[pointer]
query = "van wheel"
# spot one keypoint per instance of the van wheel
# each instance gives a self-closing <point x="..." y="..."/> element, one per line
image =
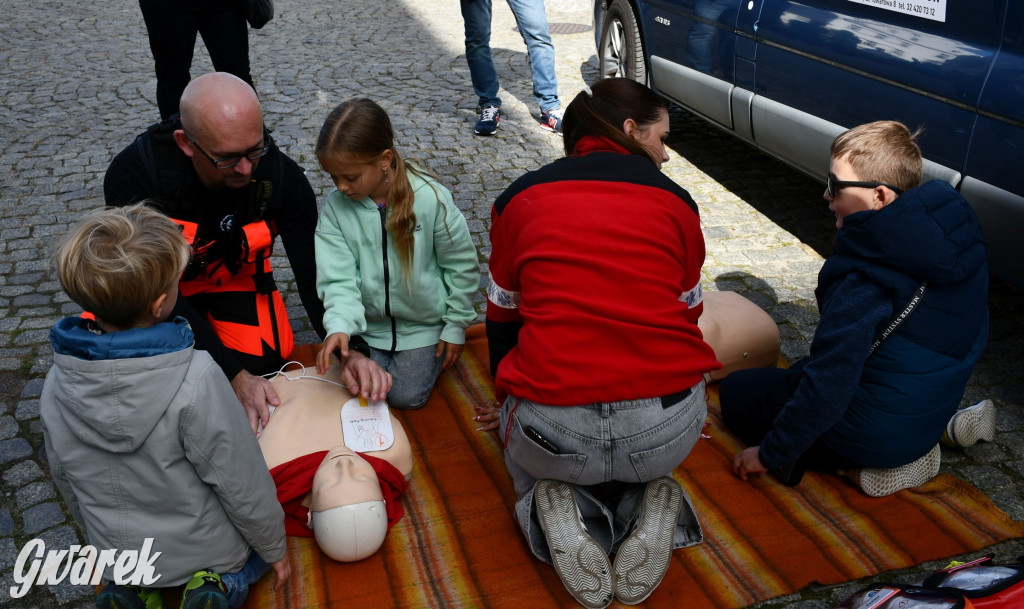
<point x="621" y="52"/>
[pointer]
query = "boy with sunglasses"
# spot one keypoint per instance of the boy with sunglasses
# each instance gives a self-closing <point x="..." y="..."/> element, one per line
<point x="904" y="317"/>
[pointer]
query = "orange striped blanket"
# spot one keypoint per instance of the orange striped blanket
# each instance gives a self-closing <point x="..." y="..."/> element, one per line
<point x="459" y="545"/>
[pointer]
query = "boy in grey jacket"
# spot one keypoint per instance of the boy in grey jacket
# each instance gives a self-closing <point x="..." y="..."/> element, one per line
<point x="145" y="437"/>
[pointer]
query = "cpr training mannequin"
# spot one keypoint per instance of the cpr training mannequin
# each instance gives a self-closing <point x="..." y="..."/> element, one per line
<point x="348" y="499"/>
<point x="741" y="334"/>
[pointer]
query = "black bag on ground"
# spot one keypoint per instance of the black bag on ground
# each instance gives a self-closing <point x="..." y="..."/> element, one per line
<point x="259" y="12"/>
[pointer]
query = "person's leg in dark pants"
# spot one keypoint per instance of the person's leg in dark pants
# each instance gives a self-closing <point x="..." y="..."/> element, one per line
<point x="172" y="28"/>
<point x="477" y="17"/>
<point x="751" y="399"/>
<point x="226" y="36"/>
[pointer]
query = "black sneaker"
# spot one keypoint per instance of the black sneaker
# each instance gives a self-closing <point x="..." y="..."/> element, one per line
<point x="204" y="591"/>
<point x="488" y="123"/>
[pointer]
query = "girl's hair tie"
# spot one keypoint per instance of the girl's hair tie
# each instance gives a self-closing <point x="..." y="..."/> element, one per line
<point x="589" y="93"/>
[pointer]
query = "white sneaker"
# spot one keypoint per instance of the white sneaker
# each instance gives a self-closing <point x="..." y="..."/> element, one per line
<point x="581" y="563"/>
<point x="879" y="482"/>
<point x="971" y="424"/>
<point x="644" y="557"/>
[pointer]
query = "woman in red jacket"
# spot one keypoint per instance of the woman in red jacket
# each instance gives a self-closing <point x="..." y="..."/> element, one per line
<point x="592" y="311"/>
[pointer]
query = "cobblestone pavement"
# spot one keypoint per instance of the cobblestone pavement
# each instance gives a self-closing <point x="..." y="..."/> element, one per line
<point x="76" y="84"/>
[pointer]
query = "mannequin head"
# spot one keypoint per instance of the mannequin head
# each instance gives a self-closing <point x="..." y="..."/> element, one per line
<point x="347" y="510"/>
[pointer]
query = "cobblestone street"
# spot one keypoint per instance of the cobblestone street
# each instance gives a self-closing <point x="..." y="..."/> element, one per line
<point x="77" y="84"/>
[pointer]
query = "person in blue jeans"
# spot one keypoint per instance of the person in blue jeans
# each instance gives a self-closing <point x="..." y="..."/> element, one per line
<point x="533" y="25"/>
<point x="595" y="247"/>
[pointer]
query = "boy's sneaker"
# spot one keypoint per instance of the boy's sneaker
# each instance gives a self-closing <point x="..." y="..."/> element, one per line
<point x="878" y="482"/>
<point x="971" y="424"/>
<point x="643" y="558"/>
<point x="204" y="591"/>
<point x="488" y="123"/>
<point x="116" y="596"/>
<point x="580" y="562"/>
<point x="552" y="120"/>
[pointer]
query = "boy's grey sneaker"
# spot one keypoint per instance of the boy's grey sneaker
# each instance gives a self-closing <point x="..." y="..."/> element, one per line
<point x="879" y="482"/>
<point x="552" y="120"/>
<point x="580" y="562"/>
<point x="488" y="123"/>
<point x="644" y="557"/>
<point x="971" y="424"/>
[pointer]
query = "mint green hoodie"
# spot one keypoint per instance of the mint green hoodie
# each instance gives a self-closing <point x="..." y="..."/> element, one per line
<point x="364" y="296"/>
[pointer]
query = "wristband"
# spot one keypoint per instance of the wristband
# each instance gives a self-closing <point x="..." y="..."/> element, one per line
<point x="358" y="343"/>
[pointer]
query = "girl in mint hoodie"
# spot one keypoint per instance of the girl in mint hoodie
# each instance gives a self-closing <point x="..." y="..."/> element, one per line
<point x="395" y="261"/>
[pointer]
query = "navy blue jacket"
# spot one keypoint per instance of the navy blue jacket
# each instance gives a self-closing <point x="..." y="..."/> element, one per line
<point x="892" y="407"/>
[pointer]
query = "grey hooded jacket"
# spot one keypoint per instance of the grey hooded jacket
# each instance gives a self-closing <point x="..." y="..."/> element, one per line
<point x="146" y="439"/>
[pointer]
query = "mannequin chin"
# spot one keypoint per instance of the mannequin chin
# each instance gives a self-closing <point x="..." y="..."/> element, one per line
<point x="351" y="532"/>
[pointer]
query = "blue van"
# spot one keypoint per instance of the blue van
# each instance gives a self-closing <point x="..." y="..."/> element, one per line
<point x="789" y="75"/>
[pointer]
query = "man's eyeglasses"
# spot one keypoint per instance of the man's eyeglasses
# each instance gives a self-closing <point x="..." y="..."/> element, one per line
<point x="231" y="161"/>
<point x="834" y="186"/>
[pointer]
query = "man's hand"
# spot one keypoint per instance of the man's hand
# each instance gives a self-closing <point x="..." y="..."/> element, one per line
<point x="363" y="376"/>
<point x="748" y="463"/>
<point x="257" y="395"/>
<point x="452" y="355"/>
<point x="338" y="340"/>
<point x="283" y="570"/>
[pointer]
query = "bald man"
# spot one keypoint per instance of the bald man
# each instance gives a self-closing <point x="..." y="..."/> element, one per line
<point x="217" y="173"/>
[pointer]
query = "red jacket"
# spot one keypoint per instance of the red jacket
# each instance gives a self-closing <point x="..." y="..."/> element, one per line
<point x="594" y="289"/>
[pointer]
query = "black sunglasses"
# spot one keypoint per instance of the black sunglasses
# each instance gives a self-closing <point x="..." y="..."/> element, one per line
<point x="834" y="186"/>
<point x="231" y="161"/>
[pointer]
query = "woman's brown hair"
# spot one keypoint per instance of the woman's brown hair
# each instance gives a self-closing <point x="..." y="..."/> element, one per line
<point x="601" y="110"/>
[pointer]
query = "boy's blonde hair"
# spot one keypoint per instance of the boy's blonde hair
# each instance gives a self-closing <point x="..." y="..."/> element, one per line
<point x="882" y="151"/>
<point x="118" y="260"/>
